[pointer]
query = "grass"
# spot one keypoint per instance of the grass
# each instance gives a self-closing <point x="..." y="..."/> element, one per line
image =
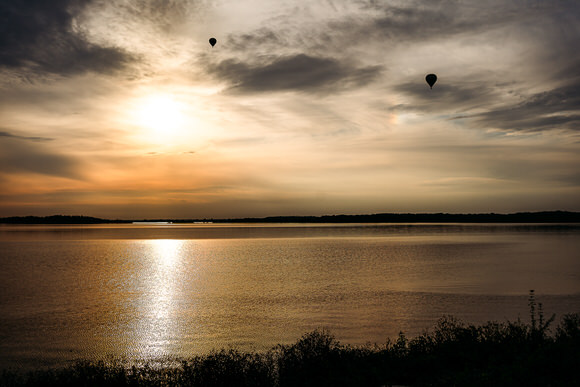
<point x="453" y="353"/>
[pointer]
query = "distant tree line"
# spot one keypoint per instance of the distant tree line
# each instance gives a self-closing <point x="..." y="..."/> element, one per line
<point x="519" y="217"/>
<point x="56" y="219"/>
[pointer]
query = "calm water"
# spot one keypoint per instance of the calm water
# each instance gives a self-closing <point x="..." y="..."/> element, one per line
<point x="156" y="291"/>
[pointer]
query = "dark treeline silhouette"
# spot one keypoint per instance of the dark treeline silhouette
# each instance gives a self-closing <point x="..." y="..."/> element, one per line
<point x="56" y="219"/>
<point x="519" y="217"/>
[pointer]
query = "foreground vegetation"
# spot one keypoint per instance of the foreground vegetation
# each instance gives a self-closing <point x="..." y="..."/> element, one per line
<point x="451" y="354"/>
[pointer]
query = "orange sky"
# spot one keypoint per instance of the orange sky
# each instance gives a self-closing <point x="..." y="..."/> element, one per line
<point x="122" y="109"/>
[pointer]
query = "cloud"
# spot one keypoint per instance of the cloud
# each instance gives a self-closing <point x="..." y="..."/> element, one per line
<point x="447" y="95"/>
<point x="31" y="138"/>
<point x="27" y="157"/>
<point x="419" y="20"/>
<point x="373" y="22"/>
<point x="556" y="109"/>
<point x="43" y="36"/>
<point x="258" y="39"/>
<point x="166" y="15"/>
<point x="420" y="23"/>
<point x="553" y="109"/>
<point x="386" y="24"/>
<point x="299" y="72"/>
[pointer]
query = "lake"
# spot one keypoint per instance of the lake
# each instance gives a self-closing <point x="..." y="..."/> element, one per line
<point x="153" y="291"/>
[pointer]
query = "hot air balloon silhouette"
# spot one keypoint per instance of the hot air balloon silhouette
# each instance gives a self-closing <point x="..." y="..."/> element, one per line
<point x="212" y="41"/>
<point x="431" y="79"/>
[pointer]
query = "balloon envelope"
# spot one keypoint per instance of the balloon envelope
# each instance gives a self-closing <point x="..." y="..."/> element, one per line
<point x="431" y="79"/>
<point x="212" y="41"/>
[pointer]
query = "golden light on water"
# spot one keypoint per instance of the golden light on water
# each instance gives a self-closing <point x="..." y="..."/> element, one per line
<point x="158" y="322"/>
<point x="168" y="252"/>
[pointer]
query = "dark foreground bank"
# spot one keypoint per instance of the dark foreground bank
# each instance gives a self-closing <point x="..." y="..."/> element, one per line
<point x="451" y="354"/>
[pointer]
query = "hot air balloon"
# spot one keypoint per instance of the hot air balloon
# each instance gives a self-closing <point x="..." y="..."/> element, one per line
<point x="431" y="79"/>
<point x="212" y="41"/>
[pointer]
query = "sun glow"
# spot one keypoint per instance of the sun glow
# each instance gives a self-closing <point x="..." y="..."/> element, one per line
<point x="162" y="115"/>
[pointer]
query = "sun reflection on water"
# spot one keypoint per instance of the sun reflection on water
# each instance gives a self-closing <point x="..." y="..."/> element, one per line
<point x="158" y="324"/>
<point x="167" y="252"/>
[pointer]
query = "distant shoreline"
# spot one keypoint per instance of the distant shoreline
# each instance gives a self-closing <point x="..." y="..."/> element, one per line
<point x="519" y="217"/>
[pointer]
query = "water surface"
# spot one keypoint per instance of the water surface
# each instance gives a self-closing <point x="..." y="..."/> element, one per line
<point x="155" y="291"/>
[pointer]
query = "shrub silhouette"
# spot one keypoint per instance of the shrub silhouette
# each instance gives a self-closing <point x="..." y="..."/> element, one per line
<point x="453" y="353"/>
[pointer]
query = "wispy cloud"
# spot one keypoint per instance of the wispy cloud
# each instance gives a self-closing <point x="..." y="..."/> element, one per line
<point x="555" y="109"/>
<point x="450" y="95"/>
<point x="19" y="137"/>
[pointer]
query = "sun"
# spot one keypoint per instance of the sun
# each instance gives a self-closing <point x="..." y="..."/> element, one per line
<point x="162" y="115"/>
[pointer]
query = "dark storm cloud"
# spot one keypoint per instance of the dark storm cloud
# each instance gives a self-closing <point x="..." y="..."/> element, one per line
<point x="39" y="34"/>
<point x="298" y="72"/>
<point x="27" y="157"/>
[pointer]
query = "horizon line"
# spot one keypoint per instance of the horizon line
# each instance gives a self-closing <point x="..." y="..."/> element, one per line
<point x="554" y="216"/>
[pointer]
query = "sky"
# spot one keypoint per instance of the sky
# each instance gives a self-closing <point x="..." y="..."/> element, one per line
<point x="122" y="109"/>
